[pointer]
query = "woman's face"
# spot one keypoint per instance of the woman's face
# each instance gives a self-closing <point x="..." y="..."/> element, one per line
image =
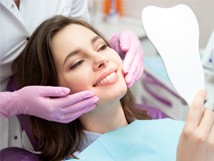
<point x="85" y="62"/>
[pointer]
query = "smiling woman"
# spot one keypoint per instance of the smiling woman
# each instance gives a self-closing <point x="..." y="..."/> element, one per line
<point x="71" y="53"/>
<point x="87" y="53"/>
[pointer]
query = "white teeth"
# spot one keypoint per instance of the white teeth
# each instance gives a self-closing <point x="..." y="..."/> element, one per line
<point x="104" y="80"/>
<point x="110" y="76"/>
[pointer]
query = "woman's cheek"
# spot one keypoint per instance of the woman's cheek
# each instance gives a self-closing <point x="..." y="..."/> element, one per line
<point x="78" y="86"/>
<point x="115" y="57"/>
<point x="75" y="81"/>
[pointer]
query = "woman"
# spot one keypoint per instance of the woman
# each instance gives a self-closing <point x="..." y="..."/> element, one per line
<point x="19" y="18"/>
<point x="41" y="59"/>
<point x="58" y="53"/>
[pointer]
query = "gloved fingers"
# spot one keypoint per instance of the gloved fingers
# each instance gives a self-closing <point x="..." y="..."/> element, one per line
<point x="49" y="91"/>
<point x="81" y="105"/>
<point x="124" y="41"/>
<point x="138" y="74"/>
<point x="72" y="116"/>
<point x="70" y="113"/>
<point x="139" y="70"/>
<point x="133" y="71"/>
<point x="130" y="80"/>
<point x="129" y="59"/>
<point x="73" y="98"/>
<point x="115" y="44"/>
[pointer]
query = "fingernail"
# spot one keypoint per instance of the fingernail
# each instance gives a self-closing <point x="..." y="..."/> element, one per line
<point x="203" y="92"/>
<point x="96" y="99"/>
<point x="128" y="79"/>
<point x="129" y="85"/>
<point x="90" y="94"/>
<point x="64" y="91"/>
<point x="125" y="69"/>
<point x="124" y="47"/>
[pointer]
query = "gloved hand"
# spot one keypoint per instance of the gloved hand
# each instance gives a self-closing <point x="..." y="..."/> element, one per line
<point x="127" y="44"/>
<point x="50" y="103"/>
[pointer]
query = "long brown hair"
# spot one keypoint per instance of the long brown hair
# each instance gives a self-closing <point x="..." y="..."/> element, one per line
<point x="35" y="66"/>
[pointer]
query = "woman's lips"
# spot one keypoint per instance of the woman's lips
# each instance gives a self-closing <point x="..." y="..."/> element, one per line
<point x="110" y="79"/>
<point x="107" y="78"/>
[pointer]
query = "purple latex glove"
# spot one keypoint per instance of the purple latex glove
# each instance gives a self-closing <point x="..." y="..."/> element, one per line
<point x="127" y="44"/>
<point x="50" y="103"/>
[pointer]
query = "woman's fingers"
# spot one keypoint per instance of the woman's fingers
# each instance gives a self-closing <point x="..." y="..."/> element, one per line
<point x="196" y="142"/>
<point x="196" y="110"/>
<point x="206" y="124"/>
<point x="199" y="99"/>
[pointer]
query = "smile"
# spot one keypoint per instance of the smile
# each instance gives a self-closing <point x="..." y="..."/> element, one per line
<point x="109" y="79"/>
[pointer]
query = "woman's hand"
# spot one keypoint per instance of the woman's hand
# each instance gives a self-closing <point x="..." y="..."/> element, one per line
<point x="197" y="139"/>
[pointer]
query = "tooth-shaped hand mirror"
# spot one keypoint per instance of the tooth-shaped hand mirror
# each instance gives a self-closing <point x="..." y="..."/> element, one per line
<point x="175" y="34"/>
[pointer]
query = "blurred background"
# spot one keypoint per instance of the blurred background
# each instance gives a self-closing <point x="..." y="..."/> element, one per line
<point x="131" y="14"/>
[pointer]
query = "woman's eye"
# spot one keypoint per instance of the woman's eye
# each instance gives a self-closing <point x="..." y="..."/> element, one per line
<point x="77" y="64"/>
<point x="103" y="47"/>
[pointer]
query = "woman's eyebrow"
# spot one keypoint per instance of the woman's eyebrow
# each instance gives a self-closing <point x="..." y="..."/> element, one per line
<point x="70" y="54"/>
<point x="93" y="40"/>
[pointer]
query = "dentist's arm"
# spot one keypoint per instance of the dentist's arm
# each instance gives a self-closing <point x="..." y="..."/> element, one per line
<point x="128" y="45"/>
<point x="197" y="139"/>
<point x="50" y="103"/>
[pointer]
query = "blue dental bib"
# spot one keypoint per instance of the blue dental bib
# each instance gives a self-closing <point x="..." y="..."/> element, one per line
<point x="142" y="140"/>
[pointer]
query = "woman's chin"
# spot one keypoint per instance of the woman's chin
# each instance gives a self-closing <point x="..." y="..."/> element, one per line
<point x="111" y="97"/>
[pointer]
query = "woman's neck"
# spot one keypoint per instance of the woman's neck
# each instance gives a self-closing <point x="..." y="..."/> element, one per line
<point x="104" y="119"/>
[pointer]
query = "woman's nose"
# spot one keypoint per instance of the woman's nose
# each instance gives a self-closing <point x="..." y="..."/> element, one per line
<point x="100" y="63"/>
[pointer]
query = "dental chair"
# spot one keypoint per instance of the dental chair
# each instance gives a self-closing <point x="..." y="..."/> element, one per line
<point x="20" y="154"/>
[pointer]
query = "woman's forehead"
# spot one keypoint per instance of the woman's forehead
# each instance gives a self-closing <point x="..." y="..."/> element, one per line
<point x="77" y="30"/>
